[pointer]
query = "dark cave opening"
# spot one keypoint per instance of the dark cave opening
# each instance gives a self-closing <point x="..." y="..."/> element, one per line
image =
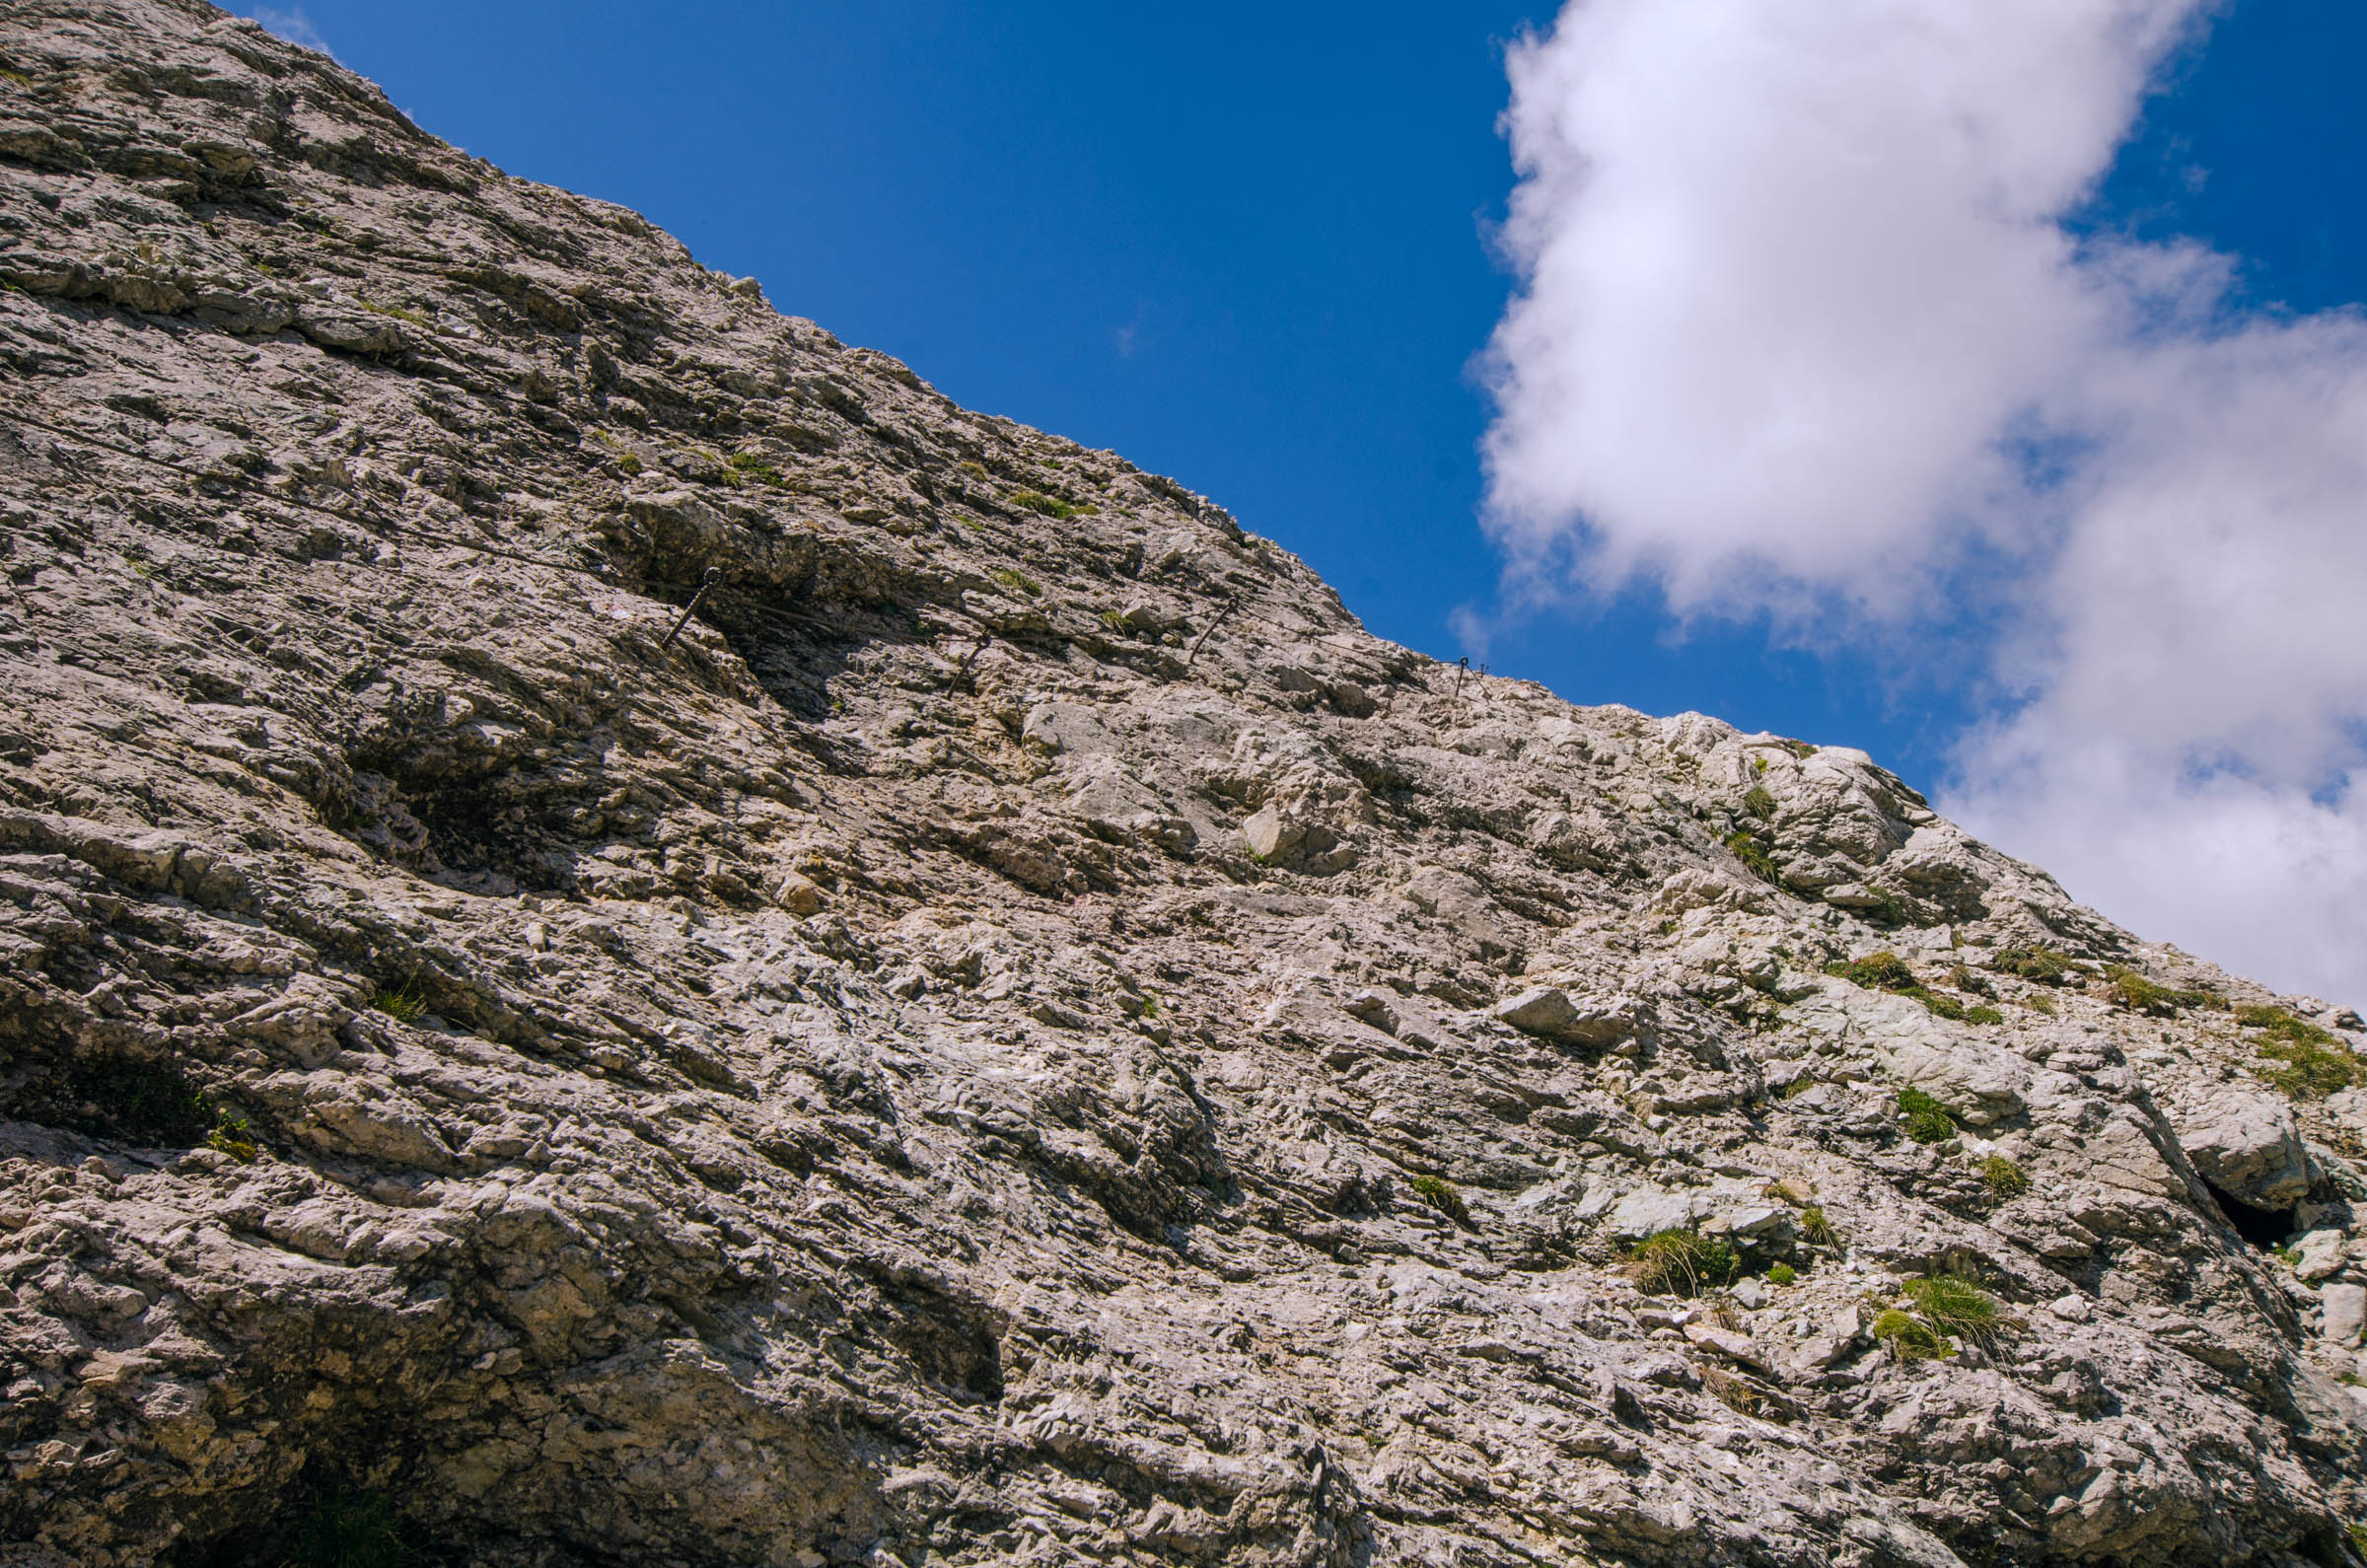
<point x="2263" y="1228"/>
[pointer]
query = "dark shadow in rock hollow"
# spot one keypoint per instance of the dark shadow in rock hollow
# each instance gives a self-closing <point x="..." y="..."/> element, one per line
<point x="2264" y="1227"/>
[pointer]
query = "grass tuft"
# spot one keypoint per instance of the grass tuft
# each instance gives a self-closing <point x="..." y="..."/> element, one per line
<point x="396" y="312"/>
<point x="233" y="1136"/>
<point x="404" y="1004"/>
<point x="1816" y="1227"/>
<point x="1957" y="1306"/>
<point x="1050" y="505"/>
<point x="1440" y="1194"/>
<point x="1876" y="971"/>
<point x="752" y="467"/>
<point x="1887" y="971"/>
<point x="1910" y="1336"/>
<point x="2277" y="1023"/>
<point x="2003" y="1179"/>
<point x="1927" y="1120"/>
<point x="2131" y="992"/>
<point x="1759" y="803"/>
<point x="1781" y="1274"/>
<point x="1754" y="855"/>
<point x="2044" y="966"/>
<point x="1677" y="1263"/>
<point x="1017" y="581"/>
<point x="2316" y="1062"/>
<point x="1942" y="1308"/>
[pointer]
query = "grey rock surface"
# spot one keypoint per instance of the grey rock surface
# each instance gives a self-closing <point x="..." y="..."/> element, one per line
<point x="2346" y="1312"/>
<point x="2250" y="1147"/>
<point x="1022" y="1035"/>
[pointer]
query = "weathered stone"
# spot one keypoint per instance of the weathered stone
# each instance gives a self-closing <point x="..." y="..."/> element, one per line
<point x="1553" y="1014"/>
<point x="2343" y="1310"/>
<point x="835" y="1085"/>
<point x="800" y="895"/>
<point x="1726" y="1342"/>
<point x="1650" y="1210"/>
<point x="2319" y="1255"/>
<point x="1270" y="835"/>
<point x="1545" y="1009"/>
<point x="2247" y="1146"/>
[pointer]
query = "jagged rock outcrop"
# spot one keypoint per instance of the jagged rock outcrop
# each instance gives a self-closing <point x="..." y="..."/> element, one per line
<point x="1022" y="1035"/>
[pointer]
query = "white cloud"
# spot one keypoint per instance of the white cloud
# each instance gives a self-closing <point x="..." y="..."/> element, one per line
<point x="292" y="25"/>
<point x="1802" y="328"/>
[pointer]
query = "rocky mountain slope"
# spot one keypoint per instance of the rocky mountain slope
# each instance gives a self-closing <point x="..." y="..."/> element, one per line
<point x="1022" y="1035"/>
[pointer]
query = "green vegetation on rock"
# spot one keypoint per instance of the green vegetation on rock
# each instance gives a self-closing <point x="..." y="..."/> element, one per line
<point x="1440" y="1194"/>
<point x="1754" y="855"/>
<point x="1050" y="505"/>
<point x="2132" y="992"/>
<point x="1677" y="1263"/>
<point x="1911" y="1337"/>
<point x="1887" y="971"/>
<point x="1957" y="1306"/>
<point x="1927" y="1120"/>
<point x="2045" y="966"/>
<point x="404" y="1003"/>
<point x="2315" y="1061"/>
<point x="2003" y="1177"/>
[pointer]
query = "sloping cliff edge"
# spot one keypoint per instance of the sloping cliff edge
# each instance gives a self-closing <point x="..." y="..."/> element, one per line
<point x="630" y="938"/>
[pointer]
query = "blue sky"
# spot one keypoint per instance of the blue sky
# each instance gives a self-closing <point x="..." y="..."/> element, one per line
<point x="1256" y="248"/>
<point x="1251" y="246"/>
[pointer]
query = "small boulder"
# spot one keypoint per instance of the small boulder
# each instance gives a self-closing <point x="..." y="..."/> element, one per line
<point x="1753" y="1221"/>
<point x="1351" y="699"/>
<point x="1726" y="1342"/>
<point x="2343" y="1310"/>
<point x="1543" y="1009"/>
<point x="1649" y="1210"/>
<point x="299" y="1023"/>
<point x="801" y="895"/>
<point x="1041" y="730"/>
<point x="2247" y="1146"/>
<point x="1375" y="1008"/>
<point x="2321" y="1255"/>
<point x="1273" y="837"/>
<point x="1548" y="1012"/>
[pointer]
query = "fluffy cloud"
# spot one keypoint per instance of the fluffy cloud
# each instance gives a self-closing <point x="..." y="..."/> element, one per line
<point x="1802" y="328"/>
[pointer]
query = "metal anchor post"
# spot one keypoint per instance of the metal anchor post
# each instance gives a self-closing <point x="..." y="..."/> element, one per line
<point x="714" y="576"/>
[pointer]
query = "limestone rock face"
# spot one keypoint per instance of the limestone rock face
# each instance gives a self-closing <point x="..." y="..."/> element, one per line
<point x="2250" y="1147"/>
<point x="630" y="938"/>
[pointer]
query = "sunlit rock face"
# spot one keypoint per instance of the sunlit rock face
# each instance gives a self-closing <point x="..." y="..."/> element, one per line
<point x="630" y="938"/>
